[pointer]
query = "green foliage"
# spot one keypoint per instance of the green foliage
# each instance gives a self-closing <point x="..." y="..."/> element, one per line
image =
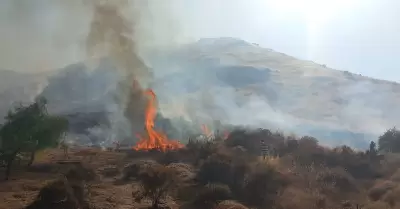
<point x="390" y="141"/>
<point x="27" y="129"/>
<point x="32" y="125"/>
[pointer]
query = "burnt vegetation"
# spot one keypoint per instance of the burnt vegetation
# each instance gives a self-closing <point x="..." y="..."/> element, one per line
<point x="222" y="172"/>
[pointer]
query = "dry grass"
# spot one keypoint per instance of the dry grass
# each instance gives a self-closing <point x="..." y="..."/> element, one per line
<point x="306" y="177"/>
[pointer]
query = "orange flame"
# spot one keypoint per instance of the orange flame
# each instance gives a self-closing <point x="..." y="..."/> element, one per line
<point x="226" y="135"/>
<point x="154" y="139"/>
<point x="206" y="131"/>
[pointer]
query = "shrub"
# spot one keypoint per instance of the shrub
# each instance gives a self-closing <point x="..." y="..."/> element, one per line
<point x="339" y="178"/>
<point x="377" y="205"/>
<point x="215" y="169"/>
<point x="156" y="182"/>
<point x="201" y="149"/>
<point x="250" y="139"/>
<point x="238" y="176"/>
<point x="396" y="176"/>
<point x="390" y="164"/>
<point x="132" y="170"/>
<point x="294" y="198"/>
<point x="392" y="197"/>
<point x="262" y="186"/>
<point x="380" y="189"/>
<point x="211" y="195"/>
<point x="184" y="171"/>
<point x="230" y="204"/>
<point x="61" y="194"/>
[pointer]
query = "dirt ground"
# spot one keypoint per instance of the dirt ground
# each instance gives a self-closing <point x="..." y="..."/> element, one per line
<point x="24" y="185"/>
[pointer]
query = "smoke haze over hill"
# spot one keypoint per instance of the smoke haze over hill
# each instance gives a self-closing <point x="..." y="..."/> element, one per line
<point x="102" y="49"/>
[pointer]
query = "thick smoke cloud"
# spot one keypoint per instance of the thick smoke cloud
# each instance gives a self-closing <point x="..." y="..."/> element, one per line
<point x="49" y="34"/>
<point x="112" y="35"/>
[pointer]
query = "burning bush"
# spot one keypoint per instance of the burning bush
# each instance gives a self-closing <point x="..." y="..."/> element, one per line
<point x="154" y="139"/>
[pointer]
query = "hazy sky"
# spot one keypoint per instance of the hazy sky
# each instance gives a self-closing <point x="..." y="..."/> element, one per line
<point x="361" y="36"/>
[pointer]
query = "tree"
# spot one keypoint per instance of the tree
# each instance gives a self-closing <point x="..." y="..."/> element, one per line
<point x="28" y="129"/>
<point x="48" y="133"/>
<point x="390" y="141"/>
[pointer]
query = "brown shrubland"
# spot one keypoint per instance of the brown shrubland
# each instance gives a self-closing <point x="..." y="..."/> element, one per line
<point x="298" y="174"/>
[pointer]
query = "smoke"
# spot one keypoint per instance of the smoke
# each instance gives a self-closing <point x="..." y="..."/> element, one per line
<point x="124" y="31"/>
<point x="41" y="35"/>
<point x="366" y="105"/>
<point x="49" y="34"/>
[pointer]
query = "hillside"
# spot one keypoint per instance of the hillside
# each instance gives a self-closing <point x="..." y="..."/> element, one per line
<point x="297" y="95"/>
<point x="235" y="82"/>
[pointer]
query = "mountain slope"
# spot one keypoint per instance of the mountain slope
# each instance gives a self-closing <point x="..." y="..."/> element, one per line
<point x="301" y="96"/>
<point x="240" y="83"/>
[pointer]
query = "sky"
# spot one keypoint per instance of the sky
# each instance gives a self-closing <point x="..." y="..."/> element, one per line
<point x="360" y="36"/>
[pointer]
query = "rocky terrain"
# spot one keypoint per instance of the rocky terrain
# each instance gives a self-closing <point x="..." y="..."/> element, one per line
<point x="226" y="79"/>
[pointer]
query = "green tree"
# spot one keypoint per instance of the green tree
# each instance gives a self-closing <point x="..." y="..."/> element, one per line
<point x="390" y="141"/>
<point x="28" y="129"/>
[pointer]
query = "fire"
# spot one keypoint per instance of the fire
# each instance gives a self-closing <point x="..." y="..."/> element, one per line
<point x="206" y="131"/>
<point x="226" y="135"/>
<point x="154" y="139"/>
